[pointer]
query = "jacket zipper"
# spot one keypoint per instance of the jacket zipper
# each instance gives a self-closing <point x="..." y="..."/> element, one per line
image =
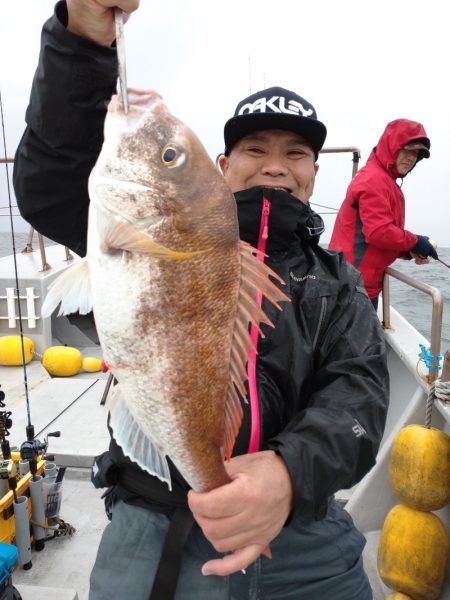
<point x="323" y="308"/>
<point x="255" y="429"/>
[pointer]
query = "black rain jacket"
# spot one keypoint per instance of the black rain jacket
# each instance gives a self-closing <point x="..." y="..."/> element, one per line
<point x="321" y="373"/>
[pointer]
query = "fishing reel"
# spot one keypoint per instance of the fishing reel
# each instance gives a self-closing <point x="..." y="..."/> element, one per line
<point x="8" y="469"/>
<point x="32" y="448"/>
<point x="5" y="418"/>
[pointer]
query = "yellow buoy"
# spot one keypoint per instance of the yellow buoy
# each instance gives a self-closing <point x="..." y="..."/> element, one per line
<point x="62" y="361"/>
<point x="11" y="350"/>
<point x="419" y="467"/>
<point x="413" y="552"/>
<point x="91" y="364"/>
<point x="398" y="596"/>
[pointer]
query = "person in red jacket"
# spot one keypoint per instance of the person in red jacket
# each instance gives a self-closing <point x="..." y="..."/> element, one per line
<point x="369" y="227"/>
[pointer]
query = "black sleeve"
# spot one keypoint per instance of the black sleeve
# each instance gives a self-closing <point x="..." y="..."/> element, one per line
<point x="333" y="443"/>
<point x="72" y="85"/>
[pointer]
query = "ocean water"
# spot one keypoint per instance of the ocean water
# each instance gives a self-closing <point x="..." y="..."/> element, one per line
<point x="414" y="305"/>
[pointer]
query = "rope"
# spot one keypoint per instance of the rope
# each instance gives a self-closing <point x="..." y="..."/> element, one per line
<point x="440" y="390"/>
<point x="61" y="528"/>
<point x="443" y="391"/>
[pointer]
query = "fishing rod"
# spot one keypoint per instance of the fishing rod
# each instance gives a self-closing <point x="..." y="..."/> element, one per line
<point x="16" y="275"/>
<point x="434" y="244"/>
<point x="443" y="263"/>
<point x="32" y="448"/>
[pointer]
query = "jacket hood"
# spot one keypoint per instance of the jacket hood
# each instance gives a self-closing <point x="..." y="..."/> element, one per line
<point x="395" y="136"/>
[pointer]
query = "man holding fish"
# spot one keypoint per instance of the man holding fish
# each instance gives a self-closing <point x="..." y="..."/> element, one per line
<point x="169" y="248"/>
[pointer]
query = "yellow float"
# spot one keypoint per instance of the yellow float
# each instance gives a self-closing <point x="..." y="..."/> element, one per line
<point x="413" y="553"/>
<point x="65" y="361"/>
<point x="419" y="467"/>
<point x="398" y="596"/>
<point x="11" y="350"/>
<point x="59" y="361"/>
<point x="91" y="364"/>
<point x="62" y="361"/>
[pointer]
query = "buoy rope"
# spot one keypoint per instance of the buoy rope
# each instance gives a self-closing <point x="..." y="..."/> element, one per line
<point x="443" y="391"/>
<point x="24" y="364"/>
<point x="440" y="390"/>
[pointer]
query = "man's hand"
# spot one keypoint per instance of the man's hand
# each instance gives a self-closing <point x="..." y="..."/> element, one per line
<point x="419" y="260"/>
<point x="244" y="516"/>
<point x="94" y="19"/>
<point x="424" y="248"/>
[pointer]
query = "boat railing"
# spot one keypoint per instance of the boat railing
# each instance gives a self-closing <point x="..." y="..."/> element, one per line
<point x="436" y="315"/>
<point x="339" y="149"/>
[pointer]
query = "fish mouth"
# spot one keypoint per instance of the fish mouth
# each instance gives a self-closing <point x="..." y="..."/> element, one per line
<point x="145" y="98"/>
<point x="144" y="223"/>
<point x="141" y="100"/>
<point x="122" y="183"/>
<point x="130" y="187"/>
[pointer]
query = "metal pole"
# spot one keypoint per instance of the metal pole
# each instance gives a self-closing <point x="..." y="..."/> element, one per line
<point x="45" y="265"/>
<point x="436" y="315"/>
<point x="338" y="150"/>
<point x="386" y="320"/>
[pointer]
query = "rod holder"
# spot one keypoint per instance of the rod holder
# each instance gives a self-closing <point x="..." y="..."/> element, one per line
<point x="22" y="532"/>
<point x="37" y="512"/>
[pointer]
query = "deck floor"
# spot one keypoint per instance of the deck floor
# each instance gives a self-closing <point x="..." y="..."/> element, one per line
<point x="66" y="562"/>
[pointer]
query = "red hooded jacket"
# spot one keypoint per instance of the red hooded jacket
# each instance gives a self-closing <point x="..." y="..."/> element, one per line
<point x="369" y="227"/>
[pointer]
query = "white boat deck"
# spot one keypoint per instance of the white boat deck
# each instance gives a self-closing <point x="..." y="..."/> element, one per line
<point x="64" y="565"/>
<point x="72" y="406"/>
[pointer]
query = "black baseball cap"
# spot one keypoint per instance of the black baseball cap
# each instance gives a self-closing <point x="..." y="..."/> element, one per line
<point x="275" y="108"/>
<point x="422" y="145"/>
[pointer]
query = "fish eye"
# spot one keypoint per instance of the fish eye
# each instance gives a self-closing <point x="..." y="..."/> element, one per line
<point x="171" y="156"/>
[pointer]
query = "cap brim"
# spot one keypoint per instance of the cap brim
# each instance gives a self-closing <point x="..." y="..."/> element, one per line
<point x="423" y="148"/>
<point x="312" y="130"/>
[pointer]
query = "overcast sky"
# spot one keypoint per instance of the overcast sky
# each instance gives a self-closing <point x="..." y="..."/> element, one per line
<point x="360" y="63"/>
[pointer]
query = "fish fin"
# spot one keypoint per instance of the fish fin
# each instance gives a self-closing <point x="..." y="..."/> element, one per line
<point x="118" y="235"/>
<point x="72" y="289"/>
<point x="134" y="443"/>
<point x="254" y="278"/>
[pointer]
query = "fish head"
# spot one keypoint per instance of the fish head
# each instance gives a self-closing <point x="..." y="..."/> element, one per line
<point x="154" y="173"/>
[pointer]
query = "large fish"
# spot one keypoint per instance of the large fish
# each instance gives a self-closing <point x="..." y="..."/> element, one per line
<point x="173" y="291"/>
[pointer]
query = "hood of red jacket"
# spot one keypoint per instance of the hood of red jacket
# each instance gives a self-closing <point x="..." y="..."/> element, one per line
<point x="395" y="136"/>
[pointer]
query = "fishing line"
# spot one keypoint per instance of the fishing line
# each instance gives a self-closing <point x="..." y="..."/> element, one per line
<point x="334" y="209"/>
<point x="47" y="425"/>
<point x="25" y="378"/>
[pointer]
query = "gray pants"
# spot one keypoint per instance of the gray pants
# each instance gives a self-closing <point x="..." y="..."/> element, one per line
<point x="311" y="560"/>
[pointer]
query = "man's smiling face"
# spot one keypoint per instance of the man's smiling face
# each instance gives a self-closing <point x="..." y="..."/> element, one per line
<point x="271" y="158"/>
